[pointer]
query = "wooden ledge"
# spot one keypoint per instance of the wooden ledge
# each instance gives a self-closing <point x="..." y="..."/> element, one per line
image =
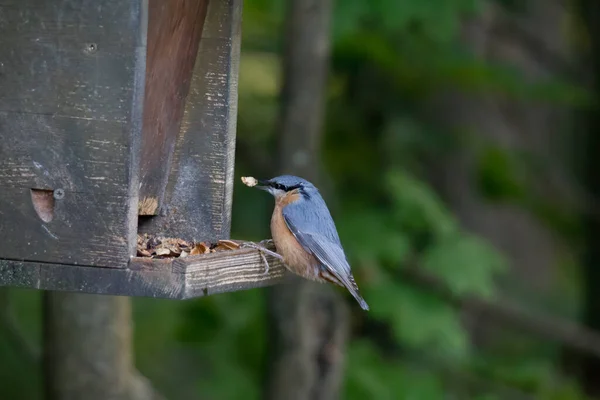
<point x="219" y="272"/>
<point x="173" y="278"/>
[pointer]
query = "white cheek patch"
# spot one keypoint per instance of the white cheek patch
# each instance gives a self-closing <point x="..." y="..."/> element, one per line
<point x="276" y="192"/>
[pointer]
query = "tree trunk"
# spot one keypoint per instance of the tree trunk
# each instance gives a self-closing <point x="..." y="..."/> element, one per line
<point x="308" y="320"/>
<point x="87" y="349"/>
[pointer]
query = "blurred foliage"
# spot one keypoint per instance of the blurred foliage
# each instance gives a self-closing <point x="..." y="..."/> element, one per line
<point x="389" y="57"/>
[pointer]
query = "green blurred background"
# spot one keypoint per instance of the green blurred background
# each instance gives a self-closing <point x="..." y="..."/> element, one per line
<point x="454" y="143"/>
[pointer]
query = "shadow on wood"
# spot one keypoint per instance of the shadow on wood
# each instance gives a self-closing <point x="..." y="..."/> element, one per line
<point x="174" y="31"/>
<point x="197" y="200"/>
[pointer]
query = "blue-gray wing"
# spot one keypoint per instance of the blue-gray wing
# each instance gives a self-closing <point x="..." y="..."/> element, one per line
<point x="315" y="230"/>
<point x="312" y="225"/>
<point x="311" y="216"/>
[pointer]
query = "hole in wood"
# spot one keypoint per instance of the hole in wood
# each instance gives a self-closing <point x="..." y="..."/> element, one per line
<point x="43" y="203"/>
<point x="144" y="220"/>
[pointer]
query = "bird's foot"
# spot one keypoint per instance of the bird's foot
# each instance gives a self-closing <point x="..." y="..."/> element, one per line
<point x="264" y="261"/>
<point x="266" y="242"/>
<point x="262" y="251"/>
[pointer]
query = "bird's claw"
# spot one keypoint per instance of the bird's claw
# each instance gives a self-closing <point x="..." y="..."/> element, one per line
<point x="266" y="242"/>
<point x="265" y="261"/>
<point x="262" y="251"/>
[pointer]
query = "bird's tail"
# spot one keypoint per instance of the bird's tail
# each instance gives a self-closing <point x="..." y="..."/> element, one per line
<point x="353" y="289"/>
<point x="348" y="283"/>
<point x="363" y="304"/>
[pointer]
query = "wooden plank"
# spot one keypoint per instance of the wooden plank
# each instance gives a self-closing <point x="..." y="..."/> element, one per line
<point x="174" y="30"/>
<point x="228" y="271"/>
<point x="19" y="274"/>
<point x="200" y="183"/>
<point x="93" y="280"/>
<point x="189" y="277"/>
<point x="72" y="79"/>
<point x="238" y="272"/>
<point x="150" y="264"/>
<point x="112" y="281"/>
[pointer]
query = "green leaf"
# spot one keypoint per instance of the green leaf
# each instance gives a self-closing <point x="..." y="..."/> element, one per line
<point x="347" y="17"/>
<point x="370" y="376"/>
<point x="383" y="244"/>
<point x="418" y="319"/>
<point x="417" y="206"/>
<point x="499" y="175"/>
<point x="465" y="263"/>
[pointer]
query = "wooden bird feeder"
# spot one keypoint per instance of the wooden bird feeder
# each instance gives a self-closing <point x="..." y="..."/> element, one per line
<point x="117" y="126"/>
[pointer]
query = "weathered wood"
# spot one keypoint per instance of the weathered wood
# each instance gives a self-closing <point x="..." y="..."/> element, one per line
<point x="72" y="79"/>
<point x="112" y="281"/>
<point x="150" y="264"/>
<point x="174" y="30"/>
<point x="227" y="271"/>
<point x="198" y="198"/>
<point x="192" y="276"/>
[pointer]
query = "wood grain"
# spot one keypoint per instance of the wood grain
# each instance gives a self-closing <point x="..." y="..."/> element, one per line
<point x="227" y="271"/>
<point x="174" y="30"/>
<point x="189" y="277"/>
<point x="198" y="197"/>
<point x="72" y="84"/>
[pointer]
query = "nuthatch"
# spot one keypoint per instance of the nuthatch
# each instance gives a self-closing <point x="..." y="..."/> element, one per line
<point x="304" y="233"/>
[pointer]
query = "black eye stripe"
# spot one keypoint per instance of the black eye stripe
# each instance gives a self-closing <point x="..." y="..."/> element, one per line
<point x="279" y="186"/>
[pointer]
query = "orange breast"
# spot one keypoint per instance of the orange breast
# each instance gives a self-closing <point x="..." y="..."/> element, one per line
<point x="296" y="259"/>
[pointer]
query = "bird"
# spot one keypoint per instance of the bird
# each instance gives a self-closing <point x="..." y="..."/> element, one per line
<point x="305" y="234"/>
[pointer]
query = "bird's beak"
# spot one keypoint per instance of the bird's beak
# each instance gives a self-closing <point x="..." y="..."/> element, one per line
<point x="262" y="185"/>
